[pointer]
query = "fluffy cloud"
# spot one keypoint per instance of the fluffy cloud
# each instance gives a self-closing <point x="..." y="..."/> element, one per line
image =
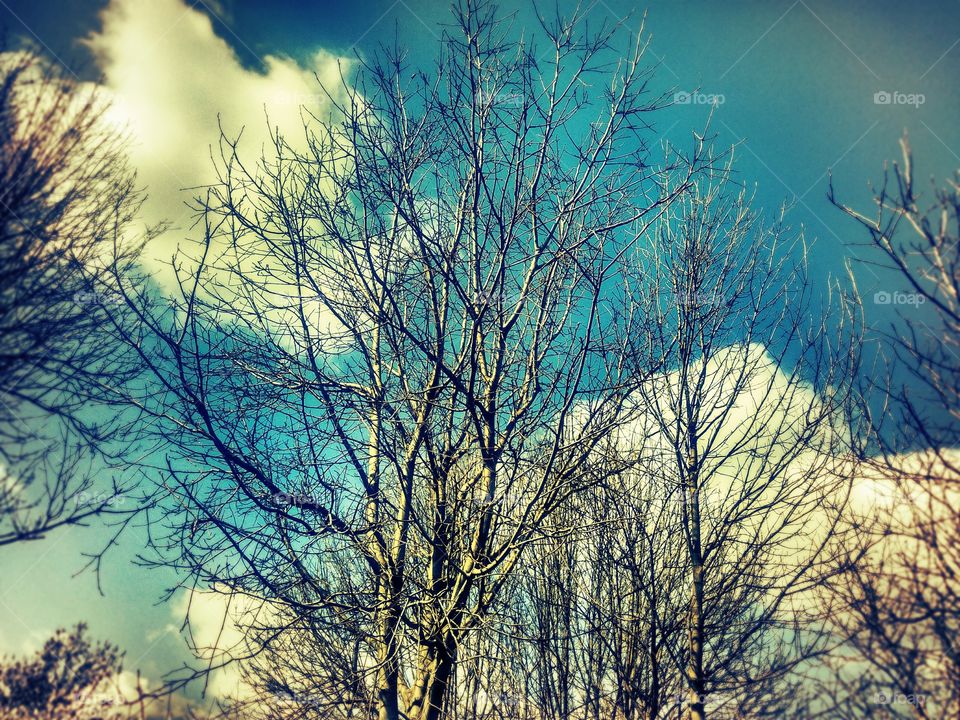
<point x="921" y="484"/>
<point x="170" y="77"/>
<point x="753" y="418"/>
<point x="216" y="622"/>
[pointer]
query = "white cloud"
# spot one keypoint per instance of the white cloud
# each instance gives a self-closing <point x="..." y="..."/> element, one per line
<point x="170" y="76"/>
<point x="218" y="620"/>
<point x="753" y="418"/>
<point x="900" y="490"/>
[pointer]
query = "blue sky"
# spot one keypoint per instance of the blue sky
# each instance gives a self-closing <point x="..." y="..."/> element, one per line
<point x="797" y="79"/>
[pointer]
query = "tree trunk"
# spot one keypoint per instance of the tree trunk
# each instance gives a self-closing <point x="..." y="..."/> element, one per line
<point x="388" y="680"/>
<point x="441" y="681"/>
<point x="695" y="679"/>
<point x="436" y="673"/>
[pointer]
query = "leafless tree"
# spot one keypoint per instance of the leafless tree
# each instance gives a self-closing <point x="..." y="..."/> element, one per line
<point x="387" y="367"/>
<point x="903" y="597"/>
<point x="65" y="196"/>
<point x="693" y="584"/>
<point x="748" y="432"/>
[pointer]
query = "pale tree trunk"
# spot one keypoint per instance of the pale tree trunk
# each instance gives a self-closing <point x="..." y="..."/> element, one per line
<point x="389" y="669"/>
<point x="695" y="679"/>
<point x="654" y="703"/>
<point x="389" y="673"/>
<point x="436" y="671"/>
<point x="441" y="681"/>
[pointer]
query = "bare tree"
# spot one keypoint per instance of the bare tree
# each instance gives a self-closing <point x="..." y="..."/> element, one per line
<point x="750" y="437"/>
<point x="65" y="196"/>
<point x="693" y="583"/>
<point x="387" y="367"/>
<point x="903" y="597"/>
<point x="602" y="622"/>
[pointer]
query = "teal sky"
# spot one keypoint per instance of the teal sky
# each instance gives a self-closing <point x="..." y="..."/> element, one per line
<point x="797" y="78"/>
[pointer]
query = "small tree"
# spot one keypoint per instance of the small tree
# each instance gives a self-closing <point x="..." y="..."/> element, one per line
<point x="747" y="432"/>
<point x="68" y="678"/>
<point x="604" y="609"/>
